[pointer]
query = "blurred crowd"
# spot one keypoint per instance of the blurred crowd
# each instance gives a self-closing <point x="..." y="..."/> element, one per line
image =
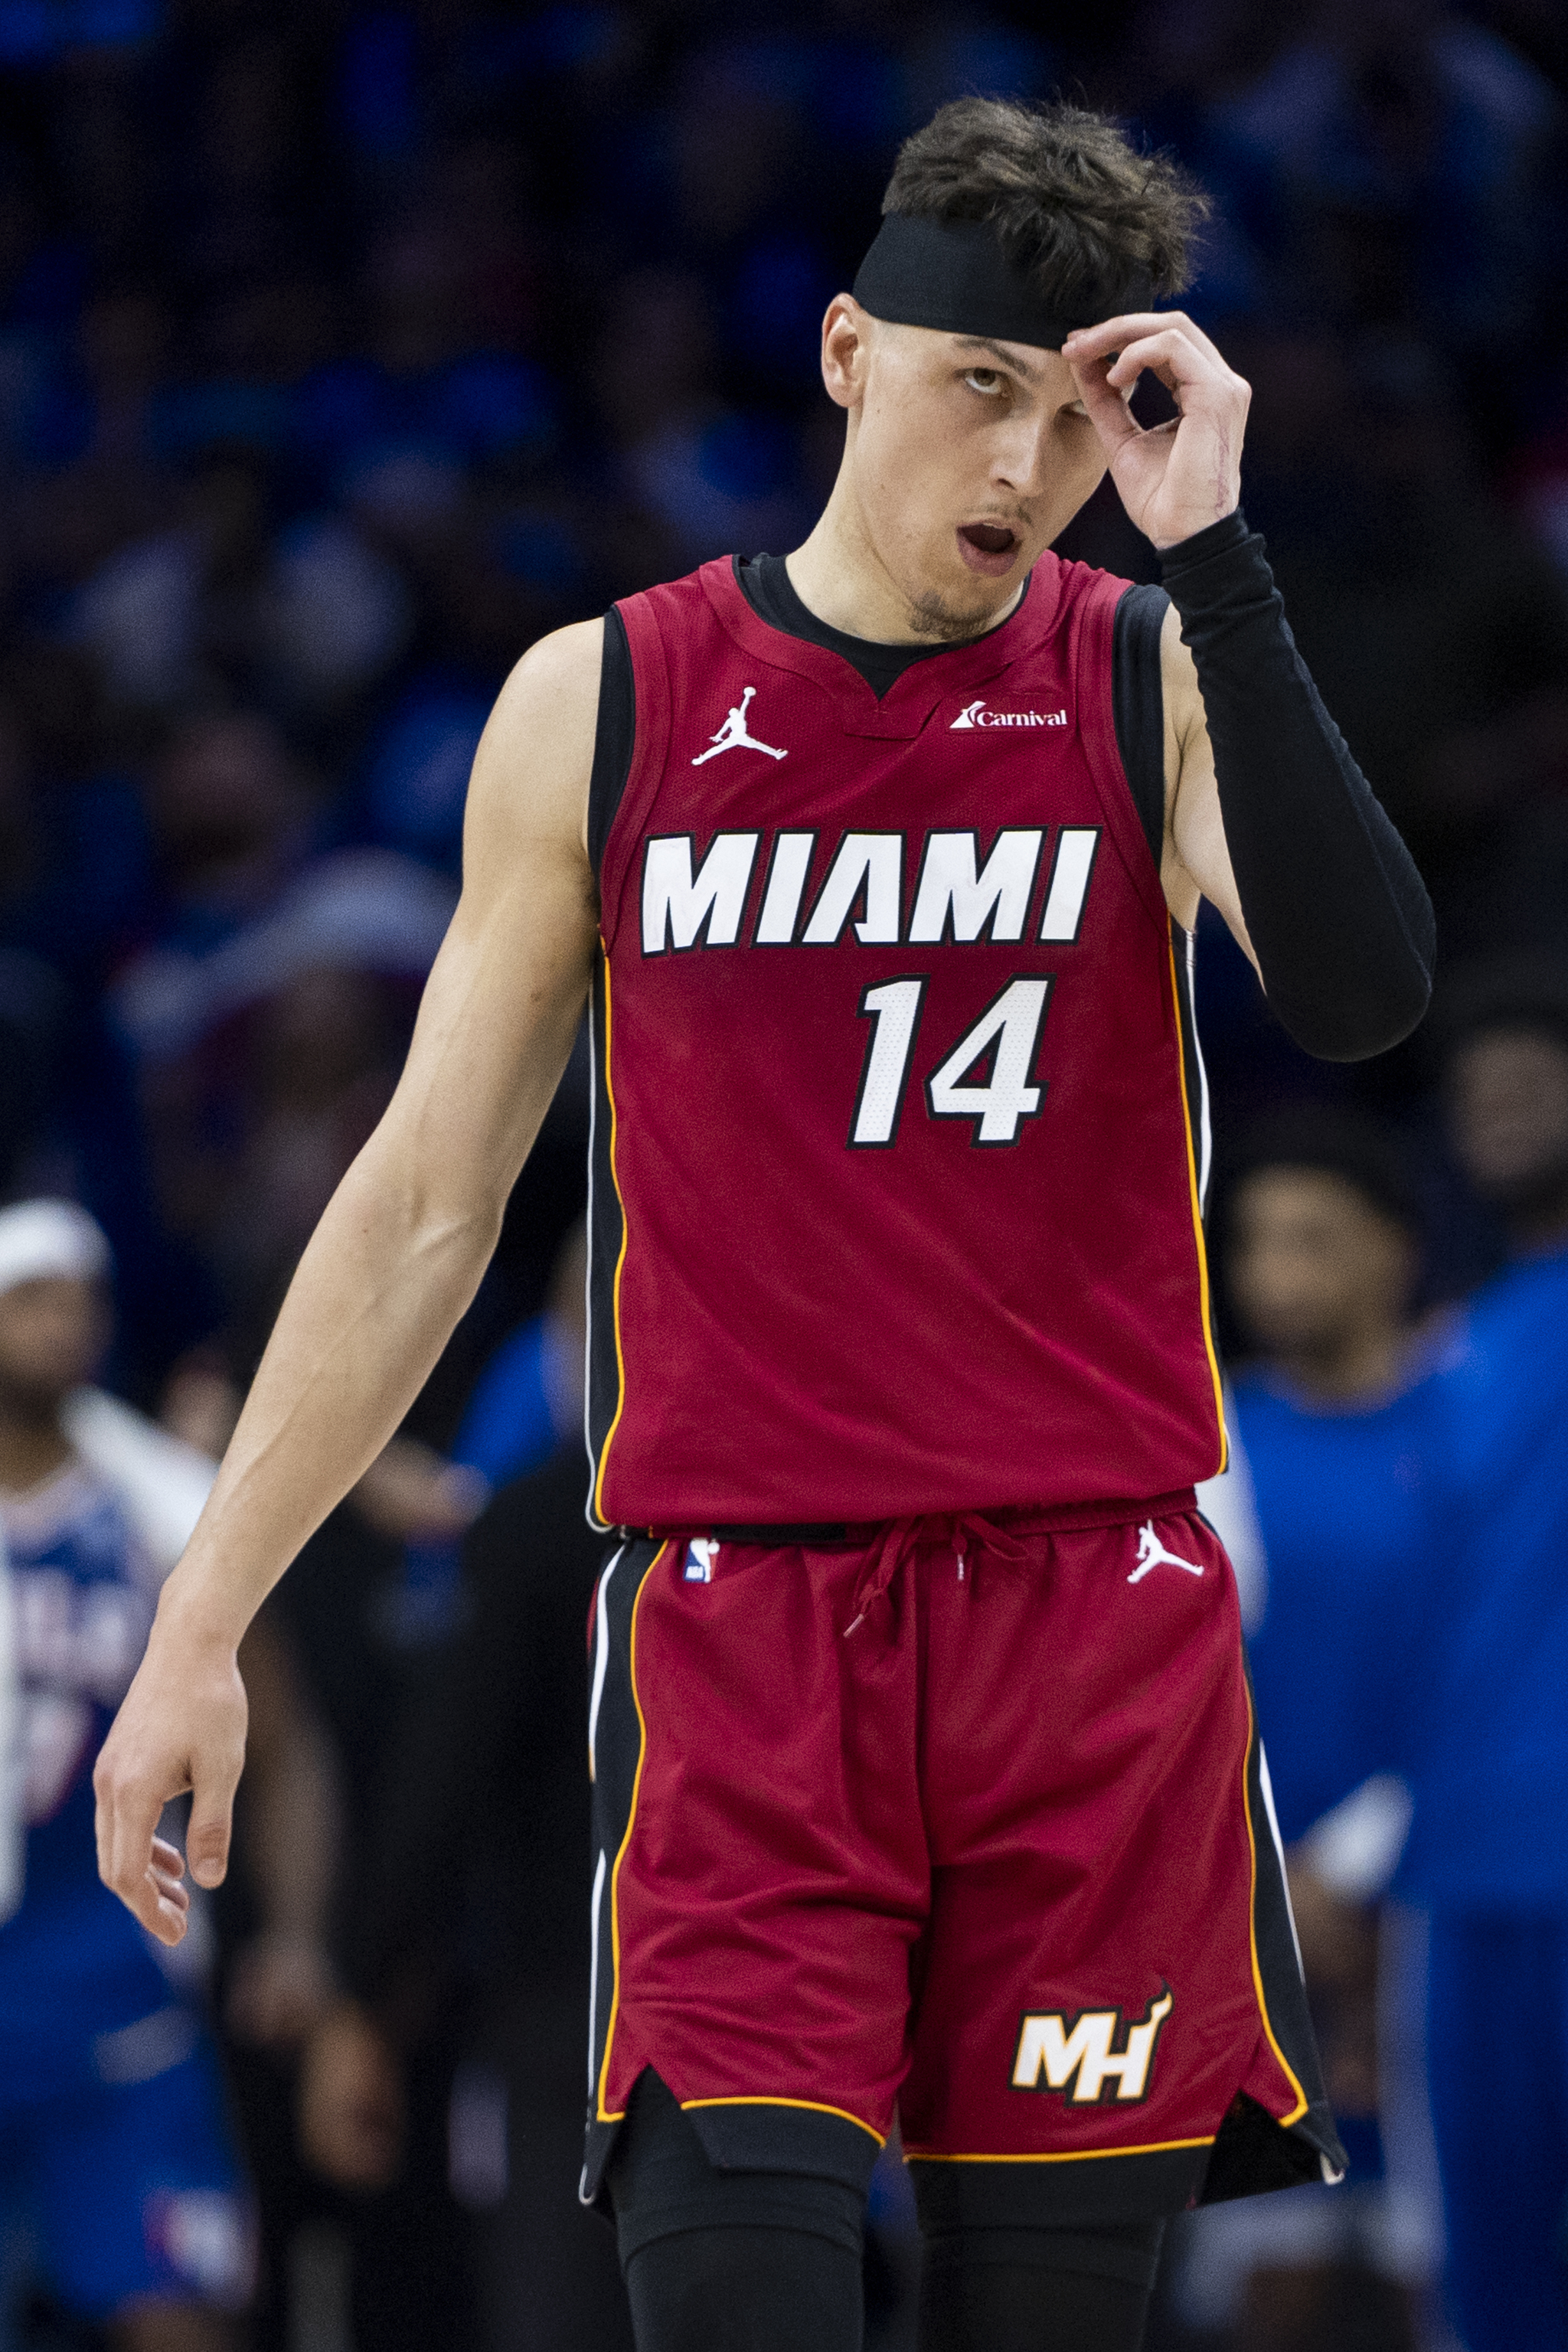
<point x="344" y="349"/>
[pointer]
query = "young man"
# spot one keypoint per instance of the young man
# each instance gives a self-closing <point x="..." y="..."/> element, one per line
<point x="1337" y="1416"/>
<point x="112" y="2137"/>
<point x="924" y="1762"/>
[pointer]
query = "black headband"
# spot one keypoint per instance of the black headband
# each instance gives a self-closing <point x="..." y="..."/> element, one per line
<point x="954" y="276"/>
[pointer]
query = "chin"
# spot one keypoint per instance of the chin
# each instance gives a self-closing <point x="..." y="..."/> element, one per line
<point x="961" y="607"/>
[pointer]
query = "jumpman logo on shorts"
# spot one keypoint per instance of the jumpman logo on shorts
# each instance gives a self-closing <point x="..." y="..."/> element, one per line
<point x="1152" y="1553"/>
<point x="734" y="735"/>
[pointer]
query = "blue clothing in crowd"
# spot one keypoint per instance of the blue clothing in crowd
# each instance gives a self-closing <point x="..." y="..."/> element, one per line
<point x="525" y="1403"/>
<point x="1351" y="1501"/>
<point x="112" y="2141"/>
<point x="1491" y="1814"/>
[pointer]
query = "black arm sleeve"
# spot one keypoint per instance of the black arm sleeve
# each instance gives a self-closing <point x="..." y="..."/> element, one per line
<point x="1336" y="911"/>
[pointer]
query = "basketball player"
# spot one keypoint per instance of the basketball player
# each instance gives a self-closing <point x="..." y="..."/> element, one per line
<point x="924" y="1763"/>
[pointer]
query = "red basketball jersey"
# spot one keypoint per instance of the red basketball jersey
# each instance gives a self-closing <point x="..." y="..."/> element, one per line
<point x="896" y="1203"/>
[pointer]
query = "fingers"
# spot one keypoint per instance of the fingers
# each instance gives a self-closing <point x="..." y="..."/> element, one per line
<point x="145" y="1870"/>
<point x="161" y="1902"/>
<point x="127" y="1818"/>
<point x="1177" y="362"/>
<point x="1111" y="335"/>
<point x="1174" y="351"/>
<point x="168" y="1859"/>
<point x="211" y="1824"/>
<point x="172" y="1900"/>
<point x="1106" y="408"/>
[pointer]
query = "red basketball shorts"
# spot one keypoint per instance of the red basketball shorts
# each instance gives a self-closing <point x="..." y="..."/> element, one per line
<point x="962" y="1820"/>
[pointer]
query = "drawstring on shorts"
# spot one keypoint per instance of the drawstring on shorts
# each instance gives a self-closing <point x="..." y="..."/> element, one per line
<point x="901" y="1539"/>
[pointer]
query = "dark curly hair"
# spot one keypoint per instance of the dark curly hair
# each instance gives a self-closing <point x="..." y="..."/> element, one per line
<point x="1076" y="205"/>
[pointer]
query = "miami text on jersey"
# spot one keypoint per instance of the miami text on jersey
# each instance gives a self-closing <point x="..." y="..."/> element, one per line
<point x="689" y="905"/>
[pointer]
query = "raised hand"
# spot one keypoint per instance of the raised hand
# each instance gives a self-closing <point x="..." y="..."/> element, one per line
<point x="1175" y="479"/>
<point x="182" y="1728"/>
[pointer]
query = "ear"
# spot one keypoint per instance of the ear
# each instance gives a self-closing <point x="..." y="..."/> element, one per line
<point x="846" y="350"/>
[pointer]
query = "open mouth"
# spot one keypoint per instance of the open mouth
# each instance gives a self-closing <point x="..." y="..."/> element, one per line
<point x="987" y="546"/>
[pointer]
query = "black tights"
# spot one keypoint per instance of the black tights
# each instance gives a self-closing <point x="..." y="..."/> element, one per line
<point x="768" y="2262"/>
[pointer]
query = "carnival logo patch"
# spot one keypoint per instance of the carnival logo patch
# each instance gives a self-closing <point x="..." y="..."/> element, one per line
<point x="981" y="714"/>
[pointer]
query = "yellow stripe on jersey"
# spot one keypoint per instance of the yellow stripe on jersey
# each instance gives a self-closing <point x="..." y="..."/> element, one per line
<point x="1206" y="1307"/>
<point x="620" y="1263"/>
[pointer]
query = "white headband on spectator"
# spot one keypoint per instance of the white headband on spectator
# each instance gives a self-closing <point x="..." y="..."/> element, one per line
<point x="44" y="1238"/>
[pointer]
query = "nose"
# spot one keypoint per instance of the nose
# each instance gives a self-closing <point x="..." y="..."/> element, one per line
<point x="1020" y="460"/>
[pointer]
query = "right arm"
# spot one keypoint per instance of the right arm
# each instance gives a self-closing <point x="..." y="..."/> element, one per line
<point x="392" y="1266"/>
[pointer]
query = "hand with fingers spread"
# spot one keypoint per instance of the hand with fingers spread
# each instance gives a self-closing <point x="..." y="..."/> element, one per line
<point x="1174" y="479"/>
<point x="182" y="1728"/>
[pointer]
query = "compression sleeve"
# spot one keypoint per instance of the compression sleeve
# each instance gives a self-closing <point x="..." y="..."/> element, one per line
<point x="1336" y="911"/>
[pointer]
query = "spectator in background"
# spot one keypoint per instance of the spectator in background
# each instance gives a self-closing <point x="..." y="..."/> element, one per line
<point x="106" y="2073"/>
<point x="1335" y="1416"/>
<point x="112" y="2127"/>
<point x="1489" y="1846"/>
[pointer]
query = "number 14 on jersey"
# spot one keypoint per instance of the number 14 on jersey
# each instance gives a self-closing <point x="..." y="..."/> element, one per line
<point x="1006" y="1036"/>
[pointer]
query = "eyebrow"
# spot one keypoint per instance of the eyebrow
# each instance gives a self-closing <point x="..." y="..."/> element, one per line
<point x="1000" y="351"/>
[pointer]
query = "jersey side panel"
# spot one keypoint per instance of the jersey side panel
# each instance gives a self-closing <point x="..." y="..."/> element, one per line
<point x="1098" y="614"/>
<point x="608" y="1234"/>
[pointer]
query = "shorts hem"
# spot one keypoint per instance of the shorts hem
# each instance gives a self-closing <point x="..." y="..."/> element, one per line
<point x="1028" y="2193"/>
<point x="756" y="2135"/>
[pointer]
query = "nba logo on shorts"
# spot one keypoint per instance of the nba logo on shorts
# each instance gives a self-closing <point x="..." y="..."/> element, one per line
<point x="700" y="1554"/>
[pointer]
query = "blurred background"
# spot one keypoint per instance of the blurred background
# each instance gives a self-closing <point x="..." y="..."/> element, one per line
<point x="344" y="349"/>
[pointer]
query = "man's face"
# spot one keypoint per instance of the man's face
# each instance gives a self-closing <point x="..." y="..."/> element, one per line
<point x="1313" y="1261"/>
<point x="52" y="1333"/>
<point x="1507" y="1116"/>
<point x="967" y="459"/>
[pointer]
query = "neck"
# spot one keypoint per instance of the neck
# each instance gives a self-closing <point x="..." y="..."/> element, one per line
<point x="32" y="1446"/>
<point x="839" y="576"/>
<point x="1345" y="1371"/>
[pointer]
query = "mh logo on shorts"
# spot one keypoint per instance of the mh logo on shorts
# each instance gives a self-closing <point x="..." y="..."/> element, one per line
<point x="1076" y="2052"/>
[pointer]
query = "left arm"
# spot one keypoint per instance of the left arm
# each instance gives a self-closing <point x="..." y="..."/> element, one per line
<point x="1267" y="815"/>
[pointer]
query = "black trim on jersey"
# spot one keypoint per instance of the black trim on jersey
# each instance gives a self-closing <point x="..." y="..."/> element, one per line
<point x="1195" y="1077"/>
<point x="774" y="597"/>
<point x="1253" y="2152"/>
<point x="1138" y="706"/>
<point x="615" y="735"/>
<point x="606" y="1234"/>
<point x="615" y="1746"/>
<point x="1185" y="958"/>
<point x="1137" y="699"/>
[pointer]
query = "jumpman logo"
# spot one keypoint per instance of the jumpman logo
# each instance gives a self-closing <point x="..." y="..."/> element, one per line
<point x="1152" y="1553"/>
<point x="734" y="735"/>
